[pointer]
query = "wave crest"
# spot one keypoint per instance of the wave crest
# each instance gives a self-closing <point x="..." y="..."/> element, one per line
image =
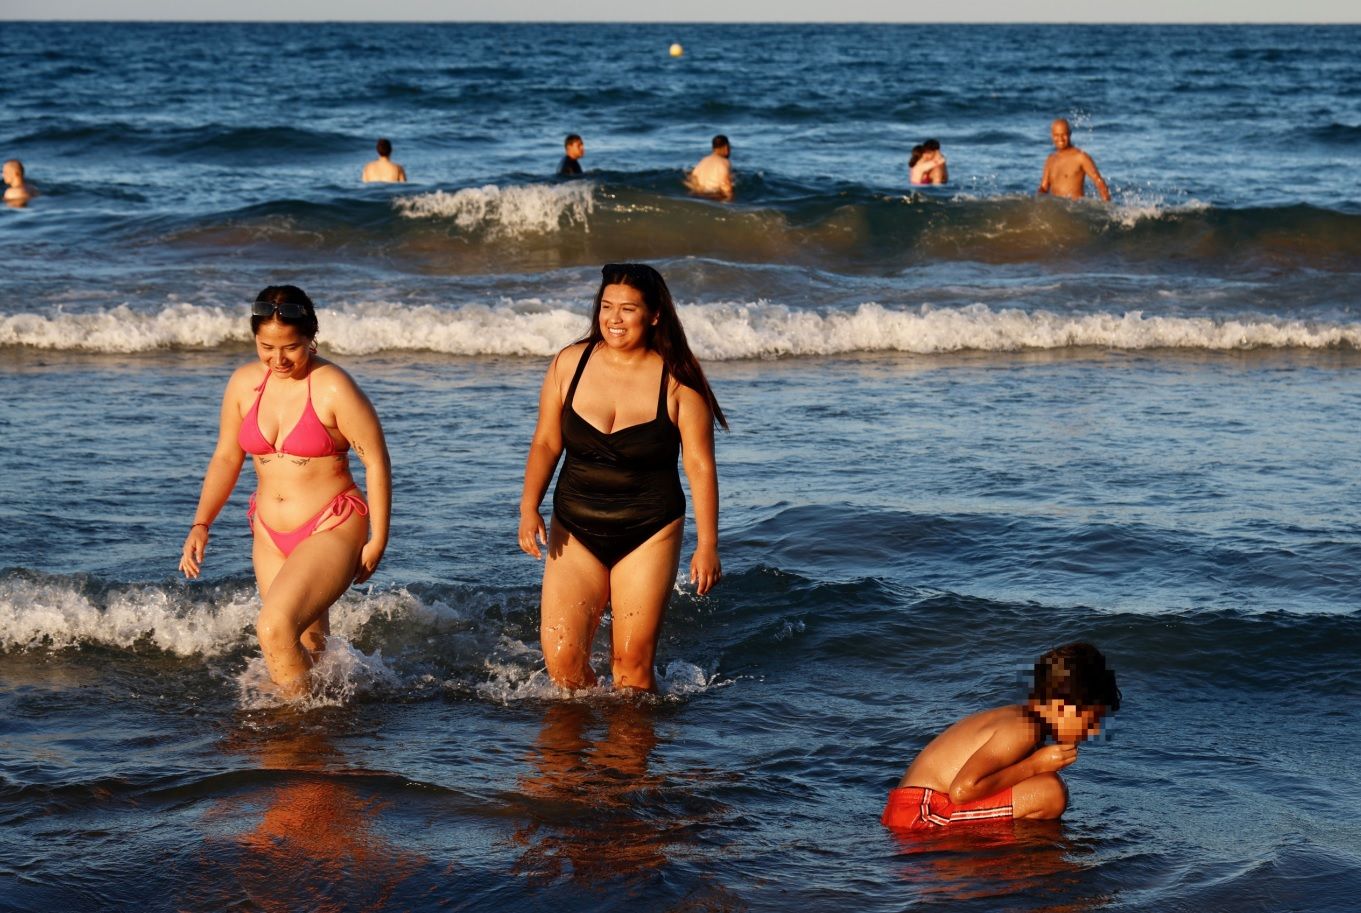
<point x="720" y="331"/>
<point x="505" y="211"/>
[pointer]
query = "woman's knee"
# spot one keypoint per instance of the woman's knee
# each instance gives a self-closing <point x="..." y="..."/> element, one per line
<point x="275" y="627"/>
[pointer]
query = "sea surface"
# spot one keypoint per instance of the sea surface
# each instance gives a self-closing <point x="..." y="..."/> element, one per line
<point x="968" y="424"/>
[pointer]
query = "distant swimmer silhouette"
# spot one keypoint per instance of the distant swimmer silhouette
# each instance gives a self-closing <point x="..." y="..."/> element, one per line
<point x="713" y="175"/>
<point x="927" y="164"/>
<point x="383" y="170"/>
<point x="570" y="166"/>
<point x="17" y="192"/>
<point x="1068" y="167"/>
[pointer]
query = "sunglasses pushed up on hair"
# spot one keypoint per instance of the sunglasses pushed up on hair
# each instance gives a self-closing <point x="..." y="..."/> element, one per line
<point x="288" y="310"/>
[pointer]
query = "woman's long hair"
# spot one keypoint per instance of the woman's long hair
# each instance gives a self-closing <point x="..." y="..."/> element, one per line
<point x="667" y="338"/>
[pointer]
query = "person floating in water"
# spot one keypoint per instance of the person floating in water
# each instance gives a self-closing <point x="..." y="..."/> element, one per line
<point x="1003" y="763"/>
<point x="927" y="164"/>
<point x="17" y="192"/>
<point x="1068" y="167"/>
<point x="383" y="170"/>
<point x="713" y="175"/>
<point x="570" y="166"/>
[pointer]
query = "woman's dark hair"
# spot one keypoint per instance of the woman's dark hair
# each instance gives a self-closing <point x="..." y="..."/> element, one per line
<point x="305" y="322"/>
<point x="916" y="155"/>
<point x="666" y="338"/>
<point x="1076" y="674"/>
<point x="931" y="145"/>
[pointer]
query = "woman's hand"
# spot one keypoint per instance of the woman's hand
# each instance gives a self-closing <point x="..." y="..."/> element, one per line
<point x="705" y="569"/>
<point x="191" y="558"/>
<point x="368" y="560"/>
<point x="532" y="533"/>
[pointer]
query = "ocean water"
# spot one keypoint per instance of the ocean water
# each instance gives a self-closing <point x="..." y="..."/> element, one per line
<point x="967" y="425"/>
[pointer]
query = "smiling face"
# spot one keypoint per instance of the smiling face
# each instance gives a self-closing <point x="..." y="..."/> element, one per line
<point x="1061" y="134"/>
<point x="283" y="349"/>
<point x="624" y="317"/>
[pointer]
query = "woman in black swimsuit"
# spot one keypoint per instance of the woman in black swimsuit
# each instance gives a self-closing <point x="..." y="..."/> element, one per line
<point x="623" y="402"/>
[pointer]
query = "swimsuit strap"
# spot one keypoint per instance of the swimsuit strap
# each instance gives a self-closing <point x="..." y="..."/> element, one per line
<point x="661" y="395"/>
<point x="581" y="366"/>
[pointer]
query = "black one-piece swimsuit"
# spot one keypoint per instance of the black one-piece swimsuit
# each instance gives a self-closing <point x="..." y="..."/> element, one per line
<point x="616" y="490"/>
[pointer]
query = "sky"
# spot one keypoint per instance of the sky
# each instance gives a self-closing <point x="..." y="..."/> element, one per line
<point x="1303" y="11"/>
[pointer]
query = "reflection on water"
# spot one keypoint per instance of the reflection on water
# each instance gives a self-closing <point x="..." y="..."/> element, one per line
<point x="596" y="812"/>
<point x="988" y="863"/>
<point x="304" y="836"/>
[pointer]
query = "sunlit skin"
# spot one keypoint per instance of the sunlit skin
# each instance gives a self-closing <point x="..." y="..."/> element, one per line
<point x="1067" y="169"/>
<point x="576" y="149"/>
<point x="383" y="170"/>
<point x="297" y="591"/>
<point x="991" y="751"/>
<point x="17" y="191"/>
<point x="618" y="390"/>
<point x="931" y="168"/>
<point x="713" y="175"/>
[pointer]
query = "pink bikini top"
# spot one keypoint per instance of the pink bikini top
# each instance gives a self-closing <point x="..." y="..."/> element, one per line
<point x="309" y="437"/>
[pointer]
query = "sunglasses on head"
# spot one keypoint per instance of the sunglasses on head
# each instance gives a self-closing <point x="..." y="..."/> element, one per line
<point x="288" y="310"/>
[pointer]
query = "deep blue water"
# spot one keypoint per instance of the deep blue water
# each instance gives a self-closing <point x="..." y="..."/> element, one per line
<point x="967" y="425"/>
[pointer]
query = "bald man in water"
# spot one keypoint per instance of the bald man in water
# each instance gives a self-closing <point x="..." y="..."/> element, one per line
<point x="1068" y="167"/>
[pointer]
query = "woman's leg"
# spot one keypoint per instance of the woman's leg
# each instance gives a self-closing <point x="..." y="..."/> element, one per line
<point x="298" y="590"/>
<point x="640" y="586"/>
<point x="575" y="588"/>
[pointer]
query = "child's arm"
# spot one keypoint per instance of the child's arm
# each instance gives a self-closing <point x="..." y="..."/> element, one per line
<point x="1006" y="759"/>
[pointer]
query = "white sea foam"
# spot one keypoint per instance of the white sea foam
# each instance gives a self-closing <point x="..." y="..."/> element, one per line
<point x="341" y="673"/>
<point x="58" y="614"/>
<point x="505" y="211"/>
<point x="719" y="331"/>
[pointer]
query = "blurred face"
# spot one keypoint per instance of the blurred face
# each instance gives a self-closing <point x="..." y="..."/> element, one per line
<point x="1059" y="133"/>
<point x="283" y="349"/>
<point x="11" y="174"/>
<point x="624" y="317"/>
<point x="1074" y="724"/>
<point x="577" y="149"/>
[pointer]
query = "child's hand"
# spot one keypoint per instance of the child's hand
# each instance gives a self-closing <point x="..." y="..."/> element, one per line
<point x="1053" y="758"/>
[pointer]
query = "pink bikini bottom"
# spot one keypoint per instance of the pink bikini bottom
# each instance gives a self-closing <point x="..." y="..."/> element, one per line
<point x="342" y="506"/>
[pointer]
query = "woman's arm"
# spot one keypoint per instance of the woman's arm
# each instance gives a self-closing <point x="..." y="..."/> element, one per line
<point x="696" y="424"/>
<point x="223" y="470"/>
<point x="544" y="451"/>
<point x="358" y="422"/>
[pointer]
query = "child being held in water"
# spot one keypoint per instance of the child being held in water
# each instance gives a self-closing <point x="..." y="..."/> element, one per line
<point x="999" y="764"/>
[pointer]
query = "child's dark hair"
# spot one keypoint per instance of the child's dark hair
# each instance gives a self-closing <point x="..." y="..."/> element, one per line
<point x="302" y="317"/>
<point x="1076" y="674"/>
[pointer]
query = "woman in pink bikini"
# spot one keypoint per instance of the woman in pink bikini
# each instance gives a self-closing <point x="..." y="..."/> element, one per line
<point x="298" y="415"/>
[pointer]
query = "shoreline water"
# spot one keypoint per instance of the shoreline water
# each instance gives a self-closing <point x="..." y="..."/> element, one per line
<point x="966" y="426"/>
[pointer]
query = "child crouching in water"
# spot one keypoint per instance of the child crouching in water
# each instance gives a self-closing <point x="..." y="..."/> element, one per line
<point x="999" y="764"/>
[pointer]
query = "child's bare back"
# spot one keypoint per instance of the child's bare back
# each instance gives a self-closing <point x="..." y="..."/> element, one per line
<point x="996" y="765"/>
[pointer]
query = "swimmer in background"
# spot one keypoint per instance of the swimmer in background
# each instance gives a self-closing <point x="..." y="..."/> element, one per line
<point x="712" y="177"/>
<point x="1003" y="763"/>
<point x="927" y="164"/>
<point x="570" y="166"/>
<point x="383" y="170"/>
<point x="1068" y="167"/>
<point x="18" y="192"/>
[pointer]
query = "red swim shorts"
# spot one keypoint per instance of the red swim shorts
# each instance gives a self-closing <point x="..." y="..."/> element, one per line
<point x="917" y="808"/>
